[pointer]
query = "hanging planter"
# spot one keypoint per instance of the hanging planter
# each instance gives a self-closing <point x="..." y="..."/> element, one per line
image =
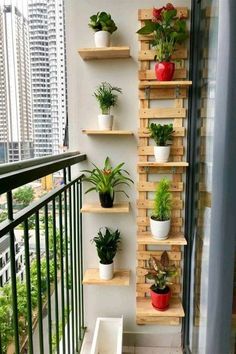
<point x="162" y="135"/>
<point x="104" y="26"/>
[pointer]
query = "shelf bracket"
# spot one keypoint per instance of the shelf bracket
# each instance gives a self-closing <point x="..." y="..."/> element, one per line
<point x="147" y="93"/>
<point x="177" y="91"/>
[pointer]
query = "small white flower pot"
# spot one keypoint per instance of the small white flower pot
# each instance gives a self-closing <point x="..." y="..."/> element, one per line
<point x="162" y="153"/>
<point x="106" y="271"/>
<point x="160" y="229"/>
<point x="105" y="121"/>
<point x="102" y="39"/>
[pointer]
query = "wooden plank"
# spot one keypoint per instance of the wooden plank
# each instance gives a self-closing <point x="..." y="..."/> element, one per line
<point x="180" y="73"/>
<point x="145" y="288"/>
<point x="152" y="186"/>
<point x="163" y="93"/>
<point x="145" y="255"/>
<point x="149" y="204"/>
<point x="161" y="170"/>
<point x="144" y="221"/>
<point x="104" y="53"/>
<point x="107" y="132"/>
<point x="96" y="208"/>
<point x="162" y="84"/>
<point x="165" y="113"/>
<point x="146" y="14"/>
<point x="149" y="54"/>
<point x="146" y="238"/>
<point x="121" y="278"/>
<point x="149" y="150"/>
<point x="163" y="164"/>
<point x="162" y="321"/>
<point x="179" y="131"/>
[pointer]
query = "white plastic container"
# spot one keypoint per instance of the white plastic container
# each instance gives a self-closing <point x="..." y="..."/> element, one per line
<point x="107" y="338"/>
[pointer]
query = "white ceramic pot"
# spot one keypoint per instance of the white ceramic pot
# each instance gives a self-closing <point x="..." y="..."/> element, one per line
<point x="106" y="271"/>
<point x="102" y="39"/>
<point x="105" y="121"/>
<point x="160" y="229"/>
<point x="162" y="153"/>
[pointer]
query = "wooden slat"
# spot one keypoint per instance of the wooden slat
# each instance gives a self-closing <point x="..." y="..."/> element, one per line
<point x="149" y="204"/>
<point x="179" y="131"/>
<point x="181" y="53"/>
<point x="145" y="255"/>
<point x="162" y="321"/>
<point x="161" y="170"/>
<point x="152" y="186"/>
<point x="162" y="84"/>
<point x="147" y="239"/>
<point x="163" y="164"/>
<point x="162" y="113"/>
<point x="144" y="221"/>
<point x="145" y="288"/>
<point x="146" y="14"/>
<point x="163" y="93"/>
<point x="107" y="132"/>
<point x="104" y="53"/>
<point x="96" y="208"/>
<point x="149" y="150"/>
<point x="180" y="73"/>
<point x="121" y="278"/>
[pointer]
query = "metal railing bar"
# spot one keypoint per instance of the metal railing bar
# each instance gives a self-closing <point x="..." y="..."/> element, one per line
<point x="21" y="215"/>
<point x="39" y="290"/>
<point x="78" y="280"/>
<point x="62" y="273"/>
<point x="28" y="287"/>
<point x="81" y="252"/>
<point x="75" y="239"/>
<point x="17" y="178"/>
<point x="67" y="271"/>
<point x="48" y="278"/>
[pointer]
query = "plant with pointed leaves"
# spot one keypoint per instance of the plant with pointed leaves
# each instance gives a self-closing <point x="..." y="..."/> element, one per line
<point x="102" y="21"/>
<point x="161" y="272"/>
<point x="107" y="179"/>
<point x="162" y="201"/>
<point x="107" y="244"/>
<point x="162" y="134"/>
<point x="106" y="97"/>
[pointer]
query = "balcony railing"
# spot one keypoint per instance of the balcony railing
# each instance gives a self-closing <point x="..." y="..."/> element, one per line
<point x="44" y="313"/>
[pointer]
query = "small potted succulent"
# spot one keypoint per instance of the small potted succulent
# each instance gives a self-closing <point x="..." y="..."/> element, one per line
<point x="103" y="26"/>
<point x="107" y="98"/>
<point x="105" y="181"/>
<point x="161" y="272"/>
<point x="162" y="135"/>
<point x="168" y="31"/>
<point x="160" y="219"/>
<point x="107" y="244"/>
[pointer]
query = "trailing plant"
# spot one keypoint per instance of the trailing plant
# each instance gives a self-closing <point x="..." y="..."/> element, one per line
<point x="161" y="272"/>
<point x="106" y="97"/>
<point x="162" y="201"/>
<point x="162" y="134"/>
<point x="107" y="179"/>
<point x="168" y="31"/>
<point x="102" y="21"/>
<point x="107" y="244"/>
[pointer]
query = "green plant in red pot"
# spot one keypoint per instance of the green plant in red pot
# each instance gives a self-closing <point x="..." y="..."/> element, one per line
<point x="161" y="272"/>
<point x="168" y="31"/>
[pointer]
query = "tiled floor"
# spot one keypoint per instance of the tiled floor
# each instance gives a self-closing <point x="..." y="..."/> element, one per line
<point x="139" y="350"/>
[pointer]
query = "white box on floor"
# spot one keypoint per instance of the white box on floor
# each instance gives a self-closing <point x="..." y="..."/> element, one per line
<point x="108" y="335"/>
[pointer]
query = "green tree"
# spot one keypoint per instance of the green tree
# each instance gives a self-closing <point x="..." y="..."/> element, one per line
<point x="3" y="216"/>
<point x="24" y="195"/>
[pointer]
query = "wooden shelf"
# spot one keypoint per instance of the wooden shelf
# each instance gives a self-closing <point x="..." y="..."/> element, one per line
<point x="164" y="164"/>
<point x="147" y="239"/>
<point x="163" y="84"/>
<point x="104" y="53"/>
<point x="107" y="132"/>
<point x="146" y="314"/>
<point x="96" y="208"/>
<point x="121" y="278"/>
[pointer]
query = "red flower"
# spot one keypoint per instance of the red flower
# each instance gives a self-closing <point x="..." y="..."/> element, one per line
<point x="157" y="14"/>
<point x="169" y="7"/>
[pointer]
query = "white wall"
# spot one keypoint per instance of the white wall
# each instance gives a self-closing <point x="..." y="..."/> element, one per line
<point x="83" y="77"/>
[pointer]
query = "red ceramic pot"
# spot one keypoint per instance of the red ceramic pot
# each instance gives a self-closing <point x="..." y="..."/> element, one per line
<point x="161" y="301"/>
<point x="164" y="71"/>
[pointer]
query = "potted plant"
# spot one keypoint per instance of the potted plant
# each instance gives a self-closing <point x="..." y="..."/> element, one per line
<point x="105" y="181"/>
<point x="160" y="219"/>
<point x="103" y="26"/>
<point x="106" y="97"/>
<point x="161" y="272"/>
<point x="162" y="135"/>
<point x="107" y="245"/>
<point x="168" y="31"/>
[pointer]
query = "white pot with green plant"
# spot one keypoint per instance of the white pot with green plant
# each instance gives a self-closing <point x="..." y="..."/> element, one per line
<point x="162" y="135"/>
<point x="160" y="219"/>
<point x="107" y="244"/>
<point x="103" y="26"/>
<point x="106" y="97"/>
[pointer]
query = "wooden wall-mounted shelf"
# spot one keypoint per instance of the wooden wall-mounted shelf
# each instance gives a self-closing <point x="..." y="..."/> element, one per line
<point x="147" y="239"/>
<point x="121" y="278"/>
<point x="104" y="53"/>
<point x="122" y="208"/>
<point x="163" y="84"/>
<point x="107" y="132"/>
<point x="164" y="164"/>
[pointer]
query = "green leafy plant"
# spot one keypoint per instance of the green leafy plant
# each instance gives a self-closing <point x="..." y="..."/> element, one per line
<point x="107" y="179"/>
<point x="107" y="244"/>
<point x="106" y="97"/>
<point x="24" y="195"/>
<point x="168" y="31"/>
<point x="161" y="272"/>
<point x="102" y="21"/>
<point x="162" y="201"/>
<point x="162" y="134"/>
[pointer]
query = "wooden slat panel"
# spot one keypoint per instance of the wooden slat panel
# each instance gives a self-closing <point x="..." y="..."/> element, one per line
<point x="145" y="255"/>
<point x="162" y="113"/>
<point x="145" y="288"/>
<point x="152" y="186"/>
<point x="179" y="131"/>
<point x="163" y="93"/>
<point x="144" y="221"/>
<point x="180" y="73"/>
<point x="161" y="84"/>
<point x="149" y="204"/>
<point x="150" y="54"/>
<point x="173" y="239"/>
<point x="149" y="151"/>
<point x="161" y="170"/>
<point x="146" y="14"/>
